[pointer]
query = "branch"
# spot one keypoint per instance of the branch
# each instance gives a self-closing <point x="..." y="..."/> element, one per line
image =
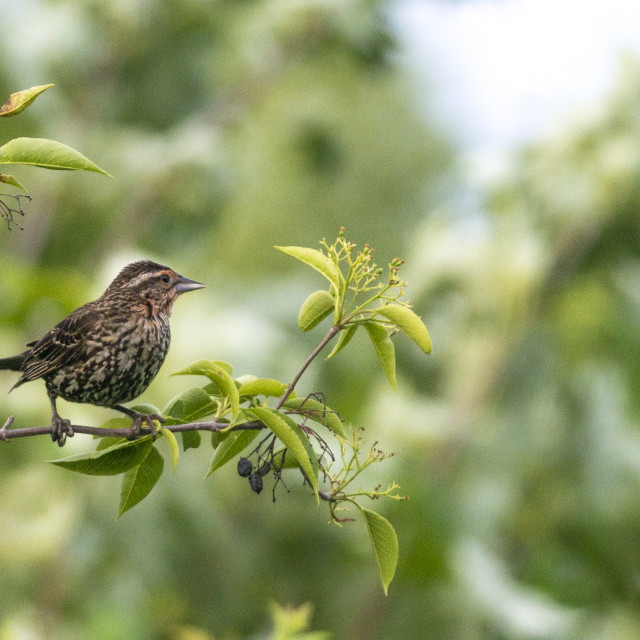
<point x="7" y="434"/>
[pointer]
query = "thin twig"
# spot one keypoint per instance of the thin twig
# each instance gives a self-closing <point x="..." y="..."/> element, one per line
<point x="330" y="334"/>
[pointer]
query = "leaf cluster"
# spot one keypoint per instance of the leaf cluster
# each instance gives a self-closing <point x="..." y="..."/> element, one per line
<point x="37" y="152"/>
<point x="358" y="296"/>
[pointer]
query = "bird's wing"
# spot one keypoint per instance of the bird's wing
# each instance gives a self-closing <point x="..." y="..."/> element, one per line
<point x="60" y="346"/>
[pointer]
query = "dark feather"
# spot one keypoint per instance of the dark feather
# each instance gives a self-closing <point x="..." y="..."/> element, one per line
<point x="60" y="346"/>
<point x="13" y="363"/>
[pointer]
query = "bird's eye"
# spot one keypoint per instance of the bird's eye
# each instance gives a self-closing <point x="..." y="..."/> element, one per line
<point x="164" y="277"/>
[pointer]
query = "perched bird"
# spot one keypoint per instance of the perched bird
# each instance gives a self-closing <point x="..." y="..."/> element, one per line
<point x="108" y="351"/>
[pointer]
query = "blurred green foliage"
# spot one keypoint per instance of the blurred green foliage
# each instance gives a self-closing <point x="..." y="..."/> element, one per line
<point x="233" y="126"/>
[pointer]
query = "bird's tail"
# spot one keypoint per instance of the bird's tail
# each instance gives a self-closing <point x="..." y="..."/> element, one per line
<point x="13" y="363"/>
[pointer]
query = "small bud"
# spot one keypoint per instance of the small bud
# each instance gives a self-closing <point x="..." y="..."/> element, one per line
<point x="255" y="482"/>
<point x="244" y="467"/>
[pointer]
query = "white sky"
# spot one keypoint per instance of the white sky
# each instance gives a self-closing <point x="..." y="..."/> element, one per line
<point x="503" y="71"/>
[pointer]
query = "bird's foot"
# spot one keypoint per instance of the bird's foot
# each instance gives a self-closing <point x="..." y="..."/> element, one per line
<point x="60" y="429"/>
<point x="139" y="419"/>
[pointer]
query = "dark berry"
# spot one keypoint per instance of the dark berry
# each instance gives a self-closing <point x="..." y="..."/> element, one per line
<point x="263" y="469"/>
<point x="255" y="481"/>
<point x="244" y="467"/>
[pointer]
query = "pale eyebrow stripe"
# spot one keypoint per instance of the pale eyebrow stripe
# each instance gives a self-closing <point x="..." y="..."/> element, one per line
<point x="141" y="278"/>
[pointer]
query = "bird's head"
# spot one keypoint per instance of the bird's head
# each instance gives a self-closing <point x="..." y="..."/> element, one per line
<point x="151" y="285"/>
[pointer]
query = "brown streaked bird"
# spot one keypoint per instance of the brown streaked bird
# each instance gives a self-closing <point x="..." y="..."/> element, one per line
<point x="108" y="351"/>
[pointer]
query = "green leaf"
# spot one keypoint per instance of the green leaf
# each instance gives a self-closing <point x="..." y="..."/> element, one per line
<point x="289" y="461"/>
<point x="384" y="348"/>
<point x="212" y="389"/>
<point x="109" y="441"/>
<point x="174" y="449"/>
<point x="138" y="482"/>
<point x="111" y="461"/>
<point x="20" y="100"/>
<point x="263" y="387"/>
<point x="233" y="444"/>
<point x="385" y="544"/>
<point x="146" y="409"/>
<point x="294" y="439"/>
<point x="191" y="405"/>
<point x="191" y="440"/>
<point x="315" y="309"/>
<point x="114" y="423"/>
<point x="47" y="154"/>
<point x="319" y="261"/>
<point x="220" y="374"/>
<point x="317" y="411"/>
<point x="409" y="322"/>
<point x="6" y="179"/>
<point x="343" y="339"/>
<point x="203" y="367"/>
<point x="218" y="437"/>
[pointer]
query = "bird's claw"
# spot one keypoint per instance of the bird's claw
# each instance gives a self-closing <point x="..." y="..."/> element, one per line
<point x="60" y="430"/>
<point x="138" y="419"/>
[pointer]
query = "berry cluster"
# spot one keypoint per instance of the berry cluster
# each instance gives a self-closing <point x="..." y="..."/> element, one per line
<point x="246" y="469"/>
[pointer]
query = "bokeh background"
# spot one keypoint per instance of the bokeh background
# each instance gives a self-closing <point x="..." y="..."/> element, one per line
<point x="495" y="145"/>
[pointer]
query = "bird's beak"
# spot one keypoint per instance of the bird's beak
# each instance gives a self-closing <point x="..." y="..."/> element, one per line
<point x="184" y="284"/>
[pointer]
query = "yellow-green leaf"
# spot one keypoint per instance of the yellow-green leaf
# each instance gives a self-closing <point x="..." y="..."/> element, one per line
<point x="20" y="100"/>
<point x="385" y="544"/>
<point x="6" y="179"/>
<point x="409" y="322"/>
<point x="343" y="339"/>
<point x="319" y="261"/>
<point x="315" y="309"/>
<point x="229" y="390"/>
<point x="48" y="154"/>
<point x="384" y="348"/>
<point x="173" y="446"/>
<point x="203" y="367"/>
<point x="294" y="439"/>
<point x="263" y="387"/>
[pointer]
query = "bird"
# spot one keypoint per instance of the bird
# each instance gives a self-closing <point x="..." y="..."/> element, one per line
<point x="108" y="351"/>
